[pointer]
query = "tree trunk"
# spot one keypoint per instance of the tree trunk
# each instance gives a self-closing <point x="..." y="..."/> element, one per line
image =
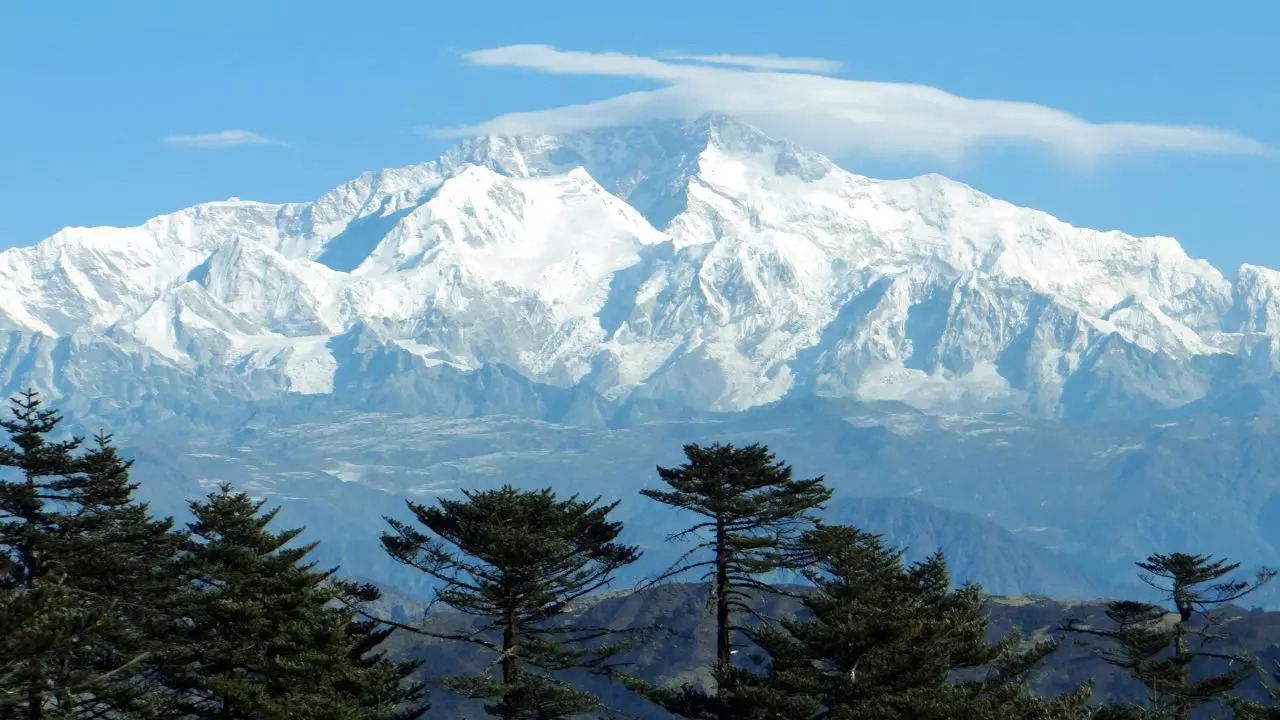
<point x="35" y="699"/>
<point x="723" y="649"/>
<point x="28" y="566"/>
<point x="1183" y="707"/>
<point x="510" y="663"/>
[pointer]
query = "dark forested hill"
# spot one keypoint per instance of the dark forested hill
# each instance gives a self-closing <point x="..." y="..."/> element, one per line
<point x="679" y="647"/>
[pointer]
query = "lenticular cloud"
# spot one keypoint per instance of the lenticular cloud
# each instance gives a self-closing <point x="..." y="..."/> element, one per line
<point x="789" y="97"/>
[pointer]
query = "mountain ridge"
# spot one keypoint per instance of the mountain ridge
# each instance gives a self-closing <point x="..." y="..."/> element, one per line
<point x="698" y="263"/>
<point x="683" y="645"/>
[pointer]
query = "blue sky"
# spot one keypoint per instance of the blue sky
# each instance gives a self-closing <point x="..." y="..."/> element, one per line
<point x="91" y="90"/>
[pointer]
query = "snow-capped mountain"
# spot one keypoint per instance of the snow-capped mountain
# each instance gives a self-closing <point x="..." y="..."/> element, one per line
<point x="698" y="264"/>
<point x="341" y="353"/>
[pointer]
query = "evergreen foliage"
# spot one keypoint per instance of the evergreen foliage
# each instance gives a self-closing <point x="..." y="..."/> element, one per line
<point x="518" y="561"/>
<point x="753" y="514"/>
<point x="884" y="641"/>
<point x="38" y="625"/>
<point x="1159" y="647"/>
<point x="82" y="563"/>
<point x="1252" y="710"/>
<point x="124" y="560"/>
<point x="266" y="636"/>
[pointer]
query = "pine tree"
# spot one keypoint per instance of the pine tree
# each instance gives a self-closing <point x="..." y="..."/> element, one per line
<point x="883" y="641"/>
<point x="80" y="653"/>
<point x="518" y="561"/>
<point x="1159" y="648"/>
<point x="753" y="514"/>
<point x="266" y="636"/>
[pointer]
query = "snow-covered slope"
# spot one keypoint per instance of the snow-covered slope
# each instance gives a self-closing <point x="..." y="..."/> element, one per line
<point x="701" y="264"/>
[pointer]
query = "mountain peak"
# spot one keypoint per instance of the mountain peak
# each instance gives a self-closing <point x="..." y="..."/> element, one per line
<point x="696" y="261"/>
<point x="729" y="133"/>
<point x="649" y="165"/>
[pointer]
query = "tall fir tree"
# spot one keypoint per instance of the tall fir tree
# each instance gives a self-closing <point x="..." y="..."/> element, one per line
<point x="72" y="542"/>
<point x="27" y="532"/>
<point x="121" y="555"/>
<point x="266" y="636"/>
<point x="517" y="561"/>
<point x="1159" y="646"/>
<point x="879" y="640"/>
<point x="752" y="514"/>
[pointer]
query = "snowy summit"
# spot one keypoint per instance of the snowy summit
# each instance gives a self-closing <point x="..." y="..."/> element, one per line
<point x="700" y="263"/>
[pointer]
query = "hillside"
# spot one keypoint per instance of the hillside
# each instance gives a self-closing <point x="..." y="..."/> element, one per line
<point x="682" y="644"/>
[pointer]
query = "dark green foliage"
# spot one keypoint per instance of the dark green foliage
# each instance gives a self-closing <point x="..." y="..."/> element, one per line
<point x="378" y="686"/>
<point x="266" y="636"/>
<point x="1251" y="710"/>
<point x="519" y="561"/>
<point x="34" y="505"/>
<point x="880" y="641"/>
<point x="124" y="560"/>
<point x="37" y="626"/>
<point x="87" y="568"/>
<point x="753" y="514"/>
<point x="1158" y="647"/>
<point x="101" y="618"/>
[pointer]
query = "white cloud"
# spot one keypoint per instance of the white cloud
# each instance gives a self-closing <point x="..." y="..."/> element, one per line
<point x="763" y="62"/>
<point x="829" y="114"/>
<point x="220" y="139"/>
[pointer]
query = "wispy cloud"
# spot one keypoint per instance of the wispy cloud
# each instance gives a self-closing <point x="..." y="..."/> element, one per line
<point x="220" y="139"/>
<point x="763" y="62"/>
<point x="830" y="114"/>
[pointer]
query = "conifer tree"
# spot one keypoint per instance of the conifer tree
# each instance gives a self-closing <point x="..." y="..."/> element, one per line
<point x="1158" y="647"/>
<point x="67" y="561"/>
<point x="266" y="636"/>
<point x="26" y="534"/>
<point x="39" y="626"/>
<point x="883" y="641"/>
<point x="752" y="515"/>
<point x="517" y="561"/>
<point x="120" y="555"/>
<point x="35" y="624"/>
